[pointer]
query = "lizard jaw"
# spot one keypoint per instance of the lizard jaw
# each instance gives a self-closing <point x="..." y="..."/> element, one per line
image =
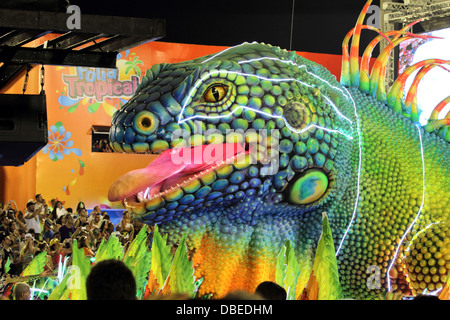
<point x="160" y="190"/>
<point x="165" y="175"/>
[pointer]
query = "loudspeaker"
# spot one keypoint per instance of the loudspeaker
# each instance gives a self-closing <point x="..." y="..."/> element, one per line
<point x="23" y="127"/>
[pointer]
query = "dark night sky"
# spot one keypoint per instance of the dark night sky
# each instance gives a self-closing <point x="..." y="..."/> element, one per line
<point x="319" y="26"/>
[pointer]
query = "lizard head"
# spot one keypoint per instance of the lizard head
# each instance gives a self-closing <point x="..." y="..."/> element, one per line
<point x="251" y="121"/>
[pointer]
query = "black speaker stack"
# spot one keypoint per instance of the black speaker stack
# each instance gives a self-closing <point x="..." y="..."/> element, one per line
<point x="23" y="127"/>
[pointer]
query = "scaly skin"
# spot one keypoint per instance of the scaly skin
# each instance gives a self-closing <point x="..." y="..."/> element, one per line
<point x="359" y="161"/>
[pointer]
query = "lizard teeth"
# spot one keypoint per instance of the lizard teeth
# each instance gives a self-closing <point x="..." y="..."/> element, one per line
<point x="146" y="193"/>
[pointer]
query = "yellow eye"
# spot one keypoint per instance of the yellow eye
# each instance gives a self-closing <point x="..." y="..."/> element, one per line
<point x="145" y="122"/>
<point x="215" y="93"/>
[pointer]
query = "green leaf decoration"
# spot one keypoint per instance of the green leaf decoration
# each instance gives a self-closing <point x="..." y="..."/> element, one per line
<point x="46" y="286"/>
<point x="161" y="257"/>
<point x="58" y="124"/>
<point x="197" y="284"/>
<point x="93" y="107"/>
<point x="81" y="266"/>
<point x="280" y="271"/>
<point x="287" y="270"/>
<point x="130" y="66"/>
<point x="80" y="260"/>
<point x="110" y="249"/>
<point x="36" y="266"/>
<point x="181" y="277"/>
<point x="73" y="108"/>
<point x="137" y="248"/>
<point x="325" y="265"/>
<point x="61" y="289"/>
<point x="140" y="269"/>
<point x="7" y="265"/>
<point x="138" y="259"/>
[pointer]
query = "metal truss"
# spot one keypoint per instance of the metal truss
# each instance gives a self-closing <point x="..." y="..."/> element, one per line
<point x="95" y="44"/>
<point x="393" y="13"/>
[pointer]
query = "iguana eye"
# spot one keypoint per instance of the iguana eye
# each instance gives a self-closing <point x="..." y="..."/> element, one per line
<point x="309" y="188"/>
<point x="145" y="122"/>
<point x="215" y="93"/>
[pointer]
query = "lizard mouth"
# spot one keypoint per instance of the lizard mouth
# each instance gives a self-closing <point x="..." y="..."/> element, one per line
<point x="172" y="170"/>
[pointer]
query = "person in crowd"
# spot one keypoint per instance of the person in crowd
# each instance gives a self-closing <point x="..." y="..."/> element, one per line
<point x="4" y="223"/>
<point x="52" y="204"/>
<point x="271" y="291"/>
<point x="28" y="252"/>
<point x="59" y="250"/>
<point x="127" y="236"/>
<point x="14" y="234"/>
<point x="22" y="291"/>
<point x="41" y="202"/>
<point x="21" y="220"/>
<point x="110" y="280"/>
<point x="33" y="217"/>
<point x="83" y="243"/>
<point x="80" y="205"/>
<point x="57" y="236"/>
<point x="60" y="222"/>
<point x="67" y="230"/>
<point x="16" y="245"/>
<point x="103" y="214"/>
<point x="96" y="222"/>
<point x="55" y="249"/>
<point x="97" y="238"/>
<point x="6" y="254"/>
<point x="125" y="223"/>
<point x="110" y="227"/>
<point x="87" y="231"/>
<point x="69" y="210"/>
<point x="60" y="210"/>
<point x="82" y="220"/>
<point x="31" y="232"/>
<point x="104" y="229"/>
<point x="7" y="207"/>
<point x="94" y="211"/>
<point x="137" y="225"/>
<point x="48" y="231"/>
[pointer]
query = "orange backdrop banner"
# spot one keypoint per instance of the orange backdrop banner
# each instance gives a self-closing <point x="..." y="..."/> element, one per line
<point x="80" y="98"/>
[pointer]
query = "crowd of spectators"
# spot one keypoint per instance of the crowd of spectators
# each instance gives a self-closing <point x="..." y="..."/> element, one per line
<point x="25" y="233"/>
<point x="41" y="226"/>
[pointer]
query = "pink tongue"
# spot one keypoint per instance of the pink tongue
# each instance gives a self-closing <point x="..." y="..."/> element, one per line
<point x="171" y="162"/>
